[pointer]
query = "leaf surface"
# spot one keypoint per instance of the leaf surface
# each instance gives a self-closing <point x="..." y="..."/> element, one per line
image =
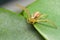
<point x="52" y="9"/>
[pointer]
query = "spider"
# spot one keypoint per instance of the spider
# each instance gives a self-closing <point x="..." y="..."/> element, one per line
<point x="36" y="17"/>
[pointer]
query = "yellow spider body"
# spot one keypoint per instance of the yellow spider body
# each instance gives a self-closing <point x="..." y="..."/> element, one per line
<point x="34" y="18"/>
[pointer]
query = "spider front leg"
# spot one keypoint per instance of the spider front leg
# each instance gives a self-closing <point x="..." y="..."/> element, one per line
<point x="48" y="21"/>
<point x="43" y="16"/>
<point x="25" y="9"/>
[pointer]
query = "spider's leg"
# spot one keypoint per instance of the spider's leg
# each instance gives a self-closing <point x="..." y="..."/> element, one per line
<point x="43" y="16"/>
<point x="48" y="21"/>
<point x="25" y="9"/>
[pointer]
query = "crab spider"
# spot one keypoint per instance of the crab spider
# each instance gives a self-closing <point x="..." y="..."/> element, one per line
<point x="36" y="17"/>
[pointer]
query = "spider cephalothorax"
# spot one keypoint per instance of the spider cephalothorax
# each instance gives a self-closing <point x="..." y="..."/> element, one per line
<point x="33" y="19"/>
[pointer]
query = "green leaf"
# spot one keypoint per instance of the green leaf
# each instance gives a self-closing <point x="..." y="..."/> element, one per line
<point x="52" y="9"/>
<point x="14" y="27"/>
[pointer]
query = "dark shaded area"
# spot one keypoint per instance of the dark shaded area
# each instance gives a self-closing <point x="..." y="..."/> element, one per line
<point x="4" y="1"/>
